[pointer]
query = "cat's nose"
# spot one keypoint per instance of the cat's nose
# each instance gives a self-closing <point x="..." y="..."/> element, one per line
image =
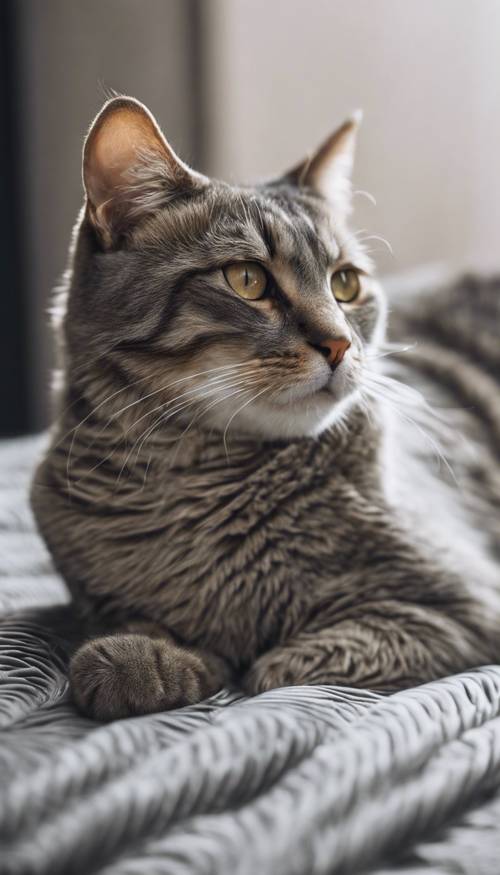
<point x="333" y="349"/>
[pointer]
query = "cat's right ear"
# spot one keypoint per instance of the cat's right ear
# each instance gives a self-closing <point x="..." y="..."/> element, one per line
<point x="129" y="169"/>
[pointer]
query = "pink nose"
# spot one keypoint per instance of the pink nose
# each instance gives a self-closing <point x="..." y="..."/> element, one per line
<point x="334" y="350"/>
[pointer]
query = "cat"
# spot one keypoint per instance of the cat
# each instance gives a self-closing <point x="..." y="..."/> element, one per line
<point x="214" y="491"/>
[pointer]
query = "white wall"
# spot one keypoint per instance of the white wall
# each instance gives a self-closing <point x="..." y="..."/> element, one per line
<point x="282" y="73"/>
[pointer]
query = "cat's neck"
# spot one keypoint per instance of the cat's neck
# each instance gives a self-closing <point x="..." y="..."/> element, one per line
<point x="96" y="461"/>
<point x="351" y="449"/>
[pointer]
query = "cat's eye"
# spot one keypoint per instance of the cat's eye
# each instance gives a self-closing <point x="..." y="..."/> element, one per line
<point x="247" y="278"/>
<point x="346" y="285"/>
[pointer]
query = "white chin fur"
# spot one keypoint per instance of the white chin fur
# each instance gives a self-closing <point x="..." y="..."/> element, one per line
<point x="307" y="417"/>
<point x="302" y="410"/>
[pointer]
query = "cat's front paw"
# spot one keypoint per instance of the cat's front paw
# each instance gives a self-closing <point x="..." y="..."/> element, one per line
<point x="124" y="675"/>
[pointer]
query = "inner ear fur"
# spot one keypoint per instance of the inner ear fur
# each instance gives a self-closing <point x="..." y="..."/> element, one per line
<point x="128" y="166"/>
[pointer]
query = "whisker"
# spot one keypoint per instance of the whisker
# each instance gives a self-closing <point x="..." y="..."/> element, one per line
<point x="399" y="389"/>
<point x="265" y="389"/>
<point x="76" y="428"/>
<point x="174" y="383"/>
<point x="164" y="418"/>
<point x="362" y="193"/>
<point x="77" y="370"/>
<point x="147" y="433"/>
<point x="201" y="413"/>
<point x="109" y="398"/>
<point x="379" y="238"/>
<point x="431" y="417"/>
<point x="392" y="349"/>
<point x="215" y="382"/>
<point x="378" y="394"/>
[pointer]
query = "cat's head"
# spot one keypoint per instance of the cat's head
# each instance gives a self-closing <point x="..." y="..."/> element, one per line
<point x="248" y="307"/>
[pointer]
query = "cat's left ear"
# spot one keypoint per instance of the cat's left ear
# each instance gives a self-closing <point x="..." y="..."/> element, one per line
<point x="328" y="170"/>
<point x="129" y="169"/>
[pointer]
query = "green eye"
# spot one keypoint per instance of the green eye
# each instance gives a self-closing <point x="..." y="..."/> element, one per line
<point x="345" y="285"/>
<point x="247" y="278"/>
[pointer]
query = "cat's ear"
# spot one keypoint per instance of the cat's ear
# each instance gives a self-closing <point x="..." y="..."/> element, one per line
<point x="129" y="169"/>
<point x="328" y="170"/>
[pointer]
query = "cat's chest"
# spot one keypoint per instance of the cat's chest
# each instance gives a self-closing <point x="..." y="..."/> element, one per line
<point x="234" y="562"/>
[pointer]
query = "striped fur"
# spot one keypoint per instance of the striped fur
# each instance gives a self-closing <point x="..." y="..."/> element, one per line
<point x="216" y="499"/>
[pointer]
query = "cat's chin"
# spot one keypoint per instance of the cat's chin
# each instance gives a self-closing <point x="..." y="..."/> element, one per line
<point x="307" y="416"/>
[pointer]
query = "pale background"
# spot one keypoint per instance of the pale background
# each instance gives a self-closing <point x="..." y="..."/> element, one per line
<point x="282" y="73"/>
<point x="244" y="88"/>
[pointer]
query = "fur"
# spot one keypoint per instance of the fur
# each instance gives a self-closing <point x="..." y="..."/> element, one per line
<point x="216" y="495"/>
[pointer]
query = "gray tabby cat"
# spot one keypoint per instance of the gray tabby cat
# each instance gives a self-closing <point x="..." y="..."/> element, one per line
<point x="214" y="493"/>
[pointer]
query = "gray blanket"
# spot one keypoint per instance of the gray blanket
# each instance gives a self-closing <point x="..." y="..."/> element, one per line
<point x="300" y="780"/>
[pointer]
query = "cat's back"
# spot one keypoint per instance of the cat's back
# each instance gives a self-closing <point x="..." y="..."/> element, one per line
<point x="441" y="458"/>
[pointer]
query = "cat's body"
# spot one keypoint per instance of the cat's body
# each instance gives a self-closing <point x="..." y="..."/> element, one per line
<point x="224" y="550"/>
<point x="243" y="554"/>
<point x="205" y="548"/>
<point x="441" y="471"/>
